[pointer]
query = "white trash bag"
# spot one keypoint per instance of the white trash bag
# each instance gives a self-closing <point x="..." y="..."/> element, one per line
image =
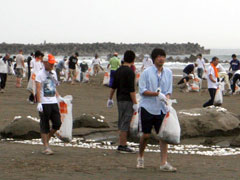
<point x="170" y="130"/>
<point x="65" y="131"/>
<point x="106" y="79"/>
<point x="134" y="124"/>
<point x="218" y="99"/>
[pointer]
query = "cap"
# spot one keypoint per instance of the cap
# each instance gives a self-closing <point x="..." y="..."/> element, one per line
<point x="49" y="58"/>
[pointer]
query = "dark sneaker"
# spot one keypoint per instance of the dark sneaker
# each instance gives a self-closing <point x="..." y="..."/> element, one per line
<point x="125" y="149"/>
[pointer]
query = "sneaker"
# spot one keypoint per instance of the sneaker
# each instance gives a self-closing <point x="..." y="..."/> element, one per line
<point x="125" y="149"/>
<point x="47" y="151"/>
<point x="167" y="168"/>
<point x="140" y="162"/>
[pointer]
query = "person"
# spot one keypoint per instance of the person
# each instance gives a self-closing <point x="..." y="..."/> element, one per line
<point x="184" y="82"/>
<point x="200" y="66"/>
<point x="35" y="66"/>
<point x="60" y="66"/>
<point x="115" y="63"/>
<point x="236" y="77"/>
<point x="47" y="101"/>
<point x="155" y="87"/>
<point x="147" y="62"/>
<point x="72" y="62"/>
<point x="223" y="75"/>
<point x="212" y="81"/>
<point x="124" y="83"/>
<point x="234" y="65"/>
<point x="19" y="68"/>
<point x="96" y="63"/>
<point x="29" y="59"/>
<point x="189" y="69"/>
<point x="3" y="72"/>
<point x="10" y="69"/>
<point x="84" y="68"/>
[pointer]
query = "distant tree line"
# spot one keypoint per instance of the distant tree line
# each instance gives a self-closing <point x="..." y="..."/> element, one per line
<point x="87" y="49"/>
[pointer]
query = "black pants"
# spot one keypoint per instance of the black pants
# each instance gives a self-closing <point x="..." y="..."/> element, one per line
<point x="235" y="78"/>
<point x="29" y="73"/>
<point x="212" y="93"/>
<point x="3" y="77"/>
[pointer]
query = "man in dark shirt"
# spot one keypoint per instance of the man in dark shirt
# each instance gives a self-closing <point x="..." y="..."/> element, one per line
<point x="124" y="83"/>
<point x="84" y="68"/>
<point x="28" y="64"/>
<point x="234" y="64"/>
<point x="72" y="67"/>
<point x="189" y="69"/>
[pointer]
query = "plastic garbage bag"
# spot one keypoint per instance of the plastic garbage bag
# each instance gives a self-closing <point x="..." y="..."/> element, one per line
<point x="65" y="131"/>
<point x="134" y="124"/>
<point x="106" y="79"/>
<point x="85" y="77"/>
<point x="170" y="130"/>
<point x="218" y="99"/>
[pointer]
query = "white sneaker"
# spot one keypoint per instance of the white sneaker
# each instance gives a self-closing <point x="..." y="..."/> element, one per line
<point x="167" y="168"/>
<point x="140" y="162"/>
<point x="47" y="151"/>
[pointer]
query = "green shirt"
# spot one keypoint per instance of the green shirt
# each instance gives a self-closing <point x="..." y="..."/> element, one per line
<point x="115" y="63"/>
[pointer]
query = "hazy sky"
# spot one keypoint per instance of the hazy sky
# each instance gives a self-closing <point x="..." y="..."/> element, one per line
<point x="212" y="23"/>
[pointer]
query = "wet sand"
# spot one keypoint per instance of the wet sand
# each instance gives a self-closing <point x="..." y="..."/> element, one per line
<point x="20" y="161"/>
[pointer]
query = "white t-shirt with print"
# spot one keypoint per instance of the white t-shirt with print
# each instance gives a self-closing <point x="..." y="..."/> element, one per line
<point x="48" y="86"/>
<point x="200" y="63"/>
<point x="210" y="83"/>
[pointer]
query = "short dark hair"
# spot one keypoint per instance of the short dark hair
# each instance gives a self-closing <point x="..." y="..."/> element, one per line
<point x="234" y="56"/>
<point x="129" y="56"/>
<point x="214" y="58"/>
<point x="157" y="52"/>
<point x="199" y="55"/>
<point x="38" y="53"/>
<point x="32" y="54"/>
<point x="76" y="54"/>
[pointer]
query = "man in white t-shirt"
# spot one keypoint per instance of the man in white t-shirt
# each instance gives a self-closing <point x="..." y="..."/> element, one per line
<point x="201" y="65"/>
<point x="47" y="99"/>
<point x="96" y="63"/>
<point x="212" y="80"/>
<point x="19" y="68"/>
<point x="147" y="62"/>
<point x="223" y="75"/>
<point x="35" y="66"/>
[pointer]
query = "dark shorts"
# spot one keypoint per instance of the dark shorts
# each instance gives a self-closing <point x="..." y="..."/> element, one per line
<point x="149" y="120"/>
<point x="50" y="112"/>
<point x="19" y="72"/>
<point x="125" y="114"/>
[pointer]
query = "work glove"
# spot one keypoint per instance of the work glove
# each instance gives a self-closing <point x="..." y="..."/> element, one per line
<point x="110" y="103"/>
<point x="39" y="107"/>
<point x="135" y="107"/>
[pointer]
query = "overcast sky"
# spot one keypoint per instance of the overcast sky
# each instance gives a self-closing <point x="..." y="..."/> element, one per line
<point x="211" y="23"/>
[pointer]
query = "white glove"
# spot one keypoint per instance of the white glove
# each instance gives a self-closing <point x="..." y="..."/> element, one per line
<point x="217" y="83"/>
<point x="110" y="103"/>
<point x="39" y="107"/>
<point x="162" y="97"/>
<point x="61" y="99"/>
<point x="135" y="107"/>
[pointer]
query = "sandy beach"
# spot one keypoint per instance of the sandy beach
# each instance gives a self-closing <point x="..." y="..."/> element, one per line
<point x="21" y="161"/>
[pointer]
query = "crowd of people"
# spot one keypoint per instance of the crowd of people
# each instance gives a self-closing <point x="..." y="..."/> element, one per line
<point x="155" y="87"/>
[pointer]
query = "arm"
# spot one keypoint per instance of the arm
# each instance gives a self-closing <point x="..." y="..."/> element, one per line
<point x="112" y="93"/>
<point x="211" y="78"/>
<point x="38" y="85"/>
<point x="23" y="63"/>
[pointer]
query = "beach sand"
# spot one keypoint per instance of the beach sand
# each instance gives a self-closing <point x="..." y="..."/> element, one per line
<point x="20" y="161"/>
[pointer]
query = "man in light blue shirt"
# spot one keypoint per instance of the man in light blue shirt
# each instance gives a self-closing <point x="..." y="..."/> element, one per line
<point x="155" y="87"/>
